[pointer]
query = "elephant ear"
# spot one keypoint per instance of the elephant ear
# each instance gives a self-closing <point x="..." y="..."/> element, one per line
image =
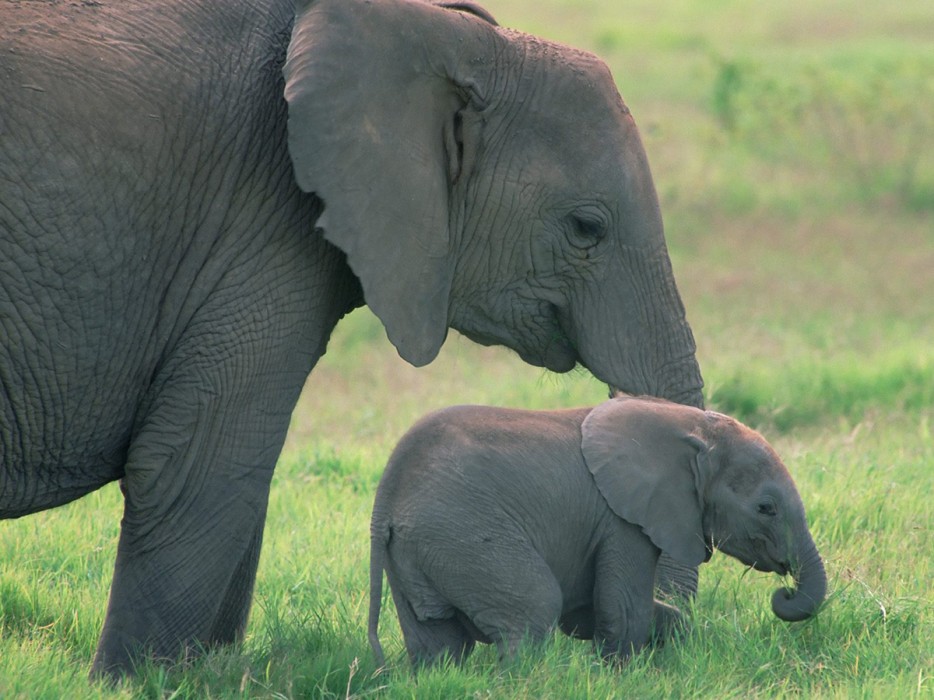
<point x="648" y="460"/>
<point x="375" y="130"/>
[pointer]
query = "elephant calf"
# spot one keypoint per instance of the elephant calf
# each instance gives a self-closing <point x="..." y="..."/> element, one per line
<point x="494" y="524"/>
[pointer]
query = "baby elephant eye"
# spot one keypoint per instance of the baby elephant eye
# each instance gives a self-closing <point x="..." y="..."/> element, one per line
<point x="767" y="509"/>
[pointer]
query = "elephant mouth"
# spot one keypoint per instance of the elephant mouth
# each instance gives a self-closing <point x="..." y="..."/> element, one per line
<point x="560" y="356"/>
<point x="769" y="567"/>
<point x="558" y="352"/>
<point x="757" y="561"/>
<point x="763" y="556"/>
<point x="552" y="359"/>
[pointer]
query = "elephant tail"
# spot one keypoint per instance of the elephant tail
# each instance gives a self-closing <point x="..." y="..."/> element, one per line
<point x="379" y="539"/>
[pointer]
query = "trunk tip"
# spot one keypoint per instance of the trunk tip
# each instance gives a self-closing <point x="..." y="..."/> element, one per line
<point x="793" y="606"/>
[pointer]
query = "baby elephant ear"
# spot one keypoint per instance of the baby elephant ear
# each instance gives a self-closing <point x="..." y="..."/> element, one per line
<point x="647" y="459"/>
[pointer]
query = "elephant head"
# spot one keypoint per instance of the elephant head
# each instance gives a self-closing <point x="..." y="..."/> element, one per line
<point x="695" y="481"/>
<point x="485" y="180"/>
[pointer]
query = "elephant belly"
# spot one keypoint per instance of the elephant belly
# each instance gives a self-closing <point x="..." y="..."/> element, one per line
<point x="59" y="438"/>
<point x="48" y="478"/>
<point x="52" y="485"/>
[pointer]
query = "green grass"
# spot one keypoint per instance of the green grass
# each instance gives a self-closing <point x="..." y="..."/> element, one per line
<point x="806" y="272"/>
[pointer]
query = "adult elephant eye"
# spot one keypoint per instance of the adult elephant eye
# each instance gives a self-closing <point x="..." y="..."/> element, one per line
<point x="587" y="231"/>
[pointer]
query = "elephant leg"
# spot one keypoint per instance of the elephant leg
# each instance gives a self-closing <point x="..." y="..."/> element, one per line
<point x="675" y="582"/>
<point x="429" y="641"/>
<point x="189" y="542"/>
<point x="432" y="640"/>
<point x="231" y="619"/>
<point x="624" y="608"/>
<point x="521" y="599"/>
<point x="667" y="623"/>
<point x="196" y="486"/>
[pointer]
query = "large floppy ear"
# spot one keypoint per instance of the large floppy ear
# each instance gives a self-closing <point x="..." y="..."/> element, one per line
<point x="377" y="97"/>
<point x="648" y="459"/>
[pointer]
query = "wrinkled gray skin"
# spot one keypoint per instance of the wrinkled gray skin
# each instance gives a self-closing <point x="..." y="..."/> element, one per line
<point x="495" y="524"/>
<point x="177" y="242"/>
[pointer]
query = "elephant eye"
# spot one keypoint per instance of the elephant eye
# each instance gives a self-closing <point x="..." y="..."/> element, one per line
<point x="767" y="509"/>
<point x="588" y="230"/>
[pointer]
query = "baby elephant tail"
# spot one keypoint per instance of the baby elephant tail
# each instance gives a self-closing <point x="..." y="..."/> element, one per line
<point x="379" y="539"/>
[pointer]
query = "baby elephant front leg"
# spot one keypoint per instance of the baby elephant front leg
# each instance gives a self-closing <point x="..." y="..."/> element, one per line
<point x="624" y="606"/>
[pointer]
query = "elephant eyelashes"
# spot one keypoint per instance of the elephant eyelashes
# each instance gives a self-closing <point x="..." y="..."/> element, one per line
<point x="767" y="509"/>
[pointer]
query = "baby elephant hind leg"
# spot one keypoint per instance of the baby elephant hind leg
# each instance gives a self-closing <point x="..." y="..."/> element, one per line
<point x="430" y="641"/>
<point x="514" y="599"/>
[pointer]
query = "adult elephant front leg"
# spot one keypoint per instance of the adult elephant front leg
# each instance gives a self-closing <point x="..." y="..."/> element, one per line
<point x="197" y="479"/>
<point x="196" y="490"/>
<point x="193" y="518"/>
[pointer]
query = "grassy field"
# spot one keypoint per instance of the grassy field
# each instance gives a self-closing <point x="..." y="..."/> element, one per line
<point x="792" y="148"/>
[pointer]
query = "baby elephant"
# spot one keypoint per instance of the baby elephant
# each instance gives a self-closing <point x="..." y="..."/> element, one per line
<point x="495" y="524"/>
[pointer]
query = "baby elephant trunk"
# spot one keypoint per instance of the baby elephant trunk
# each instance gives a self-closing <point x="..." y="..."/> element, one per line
<point x="802" y="601"/>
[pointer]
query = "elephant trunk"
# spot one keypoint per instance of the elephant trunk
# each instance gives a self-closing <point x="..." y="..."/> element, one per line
<point x="657" y="355"/>
<point x="666" y="355"/>
<point x="802" y="601"/>
<point x="685" y="384"/>
<point x="680" y="383"/>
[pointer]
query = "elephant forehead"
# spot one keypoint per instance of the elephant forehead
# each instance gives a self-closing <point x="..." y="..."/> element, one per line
<point x="562" y="87"/>
<point x="568" y="71"/>
<point x="751" y="462"/>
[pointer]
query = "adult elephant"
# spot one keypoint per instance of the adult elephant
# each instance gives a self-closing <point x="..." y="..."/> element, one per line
<point x="167" y="282"/>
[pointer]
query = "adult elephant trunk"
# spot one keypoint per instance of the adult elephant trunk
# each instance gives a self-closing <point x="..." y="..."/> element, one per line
<point x="651" y="348"/>
<point x="802" y="601"/>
